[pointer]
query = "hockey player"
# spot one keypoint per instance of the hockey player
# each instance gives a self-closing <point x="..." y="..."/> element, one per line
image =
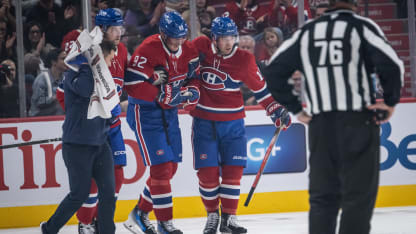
<point x="111" y="23"/>
<point x="218" y="134"/>
<point x="158" y="79"/>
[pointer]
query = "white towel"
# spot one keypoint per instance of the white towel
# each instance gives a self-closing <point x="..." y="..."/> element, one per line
<point x="104" y="97"/>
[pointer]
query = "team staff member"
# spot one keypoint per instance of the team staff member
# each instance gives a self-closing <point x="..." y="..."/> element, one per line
<point x="337" y="53"/>
<point x="85" y="151"/>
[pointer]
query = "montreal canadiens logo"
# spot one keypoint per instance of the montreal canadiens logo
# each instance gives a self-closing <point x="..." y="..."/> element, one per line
<point x="213" y="78"/>
<point x="160" y="152"/>
<point x="203" y="156"/>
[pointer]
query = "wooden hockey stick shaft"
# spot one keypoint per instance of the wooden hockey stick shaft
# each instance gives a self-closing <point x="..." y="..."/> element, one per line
<point x="263" y="165"/>
<point x="29" y="143"/>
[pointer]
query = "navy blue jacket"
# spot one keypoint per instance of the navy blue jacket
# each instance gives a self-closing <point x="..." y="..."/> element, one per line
<point x="78" y="87"/>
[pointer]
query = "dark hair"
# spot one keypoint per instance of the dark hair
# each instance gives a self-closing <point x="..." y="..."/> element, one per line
<point x="107" y="46"/>
<point x="26" y="41"/>
<point x="8" y="29"/>
<point x="322" y="5"/>
<point x="51" y="56"/>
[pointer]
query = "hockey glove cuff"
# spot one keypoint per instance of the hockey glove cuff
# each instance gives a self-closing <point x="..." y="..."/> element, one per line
<point x="160" y="75"/>
<point x="169" y="95"/>
<point x="279" y="115"/>
<point x="190" y="97"/>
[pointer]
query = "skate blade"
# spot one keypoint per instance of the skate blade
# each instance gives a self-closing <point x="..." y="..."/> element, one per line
<point x="132" y="226"/>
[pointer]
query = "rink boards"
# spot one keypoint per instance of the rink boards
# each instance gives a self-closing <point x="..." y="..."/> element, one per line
<point x="33" y="179"/>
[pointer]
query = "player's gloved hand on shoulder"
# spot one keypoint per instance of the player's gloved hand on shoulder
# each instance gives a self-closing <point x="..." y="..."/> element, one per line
<point x="160" y="75"/>
<point x="279" y="115"/>
<point x="190" y="96"/>
<point x="169" y="95"/>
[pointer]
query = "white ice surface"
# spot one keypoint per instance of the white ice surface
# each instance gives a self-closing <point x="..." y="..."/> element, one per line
<point x="393" y="220"/>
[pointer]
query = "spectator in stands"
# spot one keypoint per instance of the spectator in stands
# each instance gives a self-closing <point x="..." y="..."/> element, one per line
<point x="7" y="41"/>
<point x="247" y="43"/>
<point x="320" y="9"/>
<point x="52" y="18"/>
<point x="72" y="14"/>
<point x="9" y="91"/>
<point x="142" y="17"/>
<point x="271" y="40"/>
<point x="284" y="14"/>
<point x="177" y="5"/>
<point x="7" y="13"/>
<point x="34" y="40"/>
<point x="32" y="70"/>
<point x="248" y="15"/>
<point x="205" y="16"/>
<point x="44" y="100"/>
<point x="296" y="81"/>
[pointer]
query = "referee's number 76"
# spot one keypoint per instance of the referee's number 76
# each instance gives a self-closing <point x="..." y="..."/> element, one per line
<point x="333" y="49"/>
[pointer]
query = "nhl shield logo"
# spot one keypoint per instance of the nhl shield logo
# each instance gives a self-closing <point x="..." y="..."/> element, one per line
<point x="213" y="78"/>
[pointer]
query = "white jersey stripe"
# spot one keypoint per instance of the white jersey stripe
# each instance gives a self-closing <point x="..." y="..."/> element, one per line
<point x="324" y="88"/>
<point x="353" y="64"/>
<point x="340" y="88"/>
<point x="304" y="52"/>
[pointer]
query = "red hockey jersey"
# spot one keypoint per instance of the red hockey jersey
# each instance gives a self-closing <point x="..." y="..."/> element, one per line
<point x="118" y="67"/>
<point x="221" y="78"/>
<point x="152" y="53"/>
<point x="246" y="20"/>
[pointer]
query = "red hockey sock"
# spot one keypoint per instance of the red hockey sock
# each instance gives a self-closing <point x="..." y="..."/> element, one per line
<point x="160" y="190"/>
<point x="230" y="188"/>
<point x="209" y="184"/>
<point x="145" y="202"/>
<point x="88" y="210"/>
<point x="119" y="177"/>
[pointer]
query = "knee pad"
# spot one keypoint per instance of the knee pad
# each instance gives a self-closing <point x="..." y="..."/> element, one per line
<point x="174" y="168"/>
<point x="209" y="176"/>
<point x="232" y="174"/>
<point x="161" y="174"/>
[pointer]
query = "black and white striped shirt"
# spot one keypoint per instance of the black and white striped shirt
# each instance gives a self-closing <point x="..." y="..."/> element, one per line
<point x="336" y="54"/>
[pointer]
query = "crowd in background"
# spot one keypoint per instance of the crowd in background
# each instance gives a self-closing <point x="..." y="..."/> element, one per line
<point x="263" y="26"/>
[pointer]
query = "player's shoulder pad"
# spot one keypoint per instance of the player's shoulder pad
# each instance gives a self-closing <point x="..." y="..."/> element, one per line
<point x="244" y="56"/>
<point x="150" y="47"/>
<point x="202" y="42"/>
<point x="122" y="47"/>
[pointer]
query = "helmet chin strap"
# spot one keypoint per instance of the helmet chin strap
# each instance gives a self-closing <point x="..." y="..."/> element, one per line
<point x="164" y="41"/>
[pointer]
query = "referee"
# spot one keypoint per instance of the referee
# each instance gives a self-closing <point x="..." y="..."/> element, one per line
<point x="337" y="53"/>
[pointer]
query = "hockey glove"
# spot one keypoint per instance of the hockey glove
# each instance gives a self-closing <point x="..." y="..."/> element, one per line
<point x="169" y="95"/>
<point x="190" y="97"/>
<point x="160" y="75"/>
<point x="115" y="115"/>
<point x="279" y="115"/>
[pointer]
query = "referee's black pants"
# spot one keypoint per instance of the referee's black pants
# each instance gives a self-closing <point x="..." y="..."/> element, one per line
<point x="344" y="171"/>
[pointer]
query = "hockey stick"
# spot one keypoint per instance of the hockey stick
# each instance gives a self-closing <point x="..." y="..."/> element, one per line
<point x="29" y="143"/>
<point x="263" y="165"/>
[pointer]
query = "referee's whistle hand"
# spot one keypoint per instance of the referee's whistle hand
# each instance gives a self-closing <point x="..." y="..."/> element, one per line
<point x="382" y="106"/>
